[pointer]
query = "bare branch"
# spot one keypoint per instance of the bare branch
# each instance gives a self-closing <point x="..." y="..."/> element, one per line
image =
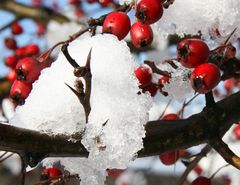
<point x="227" y="154"/>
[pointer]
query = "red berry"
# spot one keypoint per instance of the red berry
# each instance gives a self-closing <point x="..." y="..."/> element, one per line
<point x="11" y="76"/>
<point x="11" y="61"/>
<point x="141" y="35"/>
<point x="198" y="169"/>
<point x="92" y="1"/>
<point x="143" y="74"/>
<point x="20" y="91"/>
<point x="230" y="51"/>
<point x="170" y="117"/>
<point x="74" y="2"/>
<point x="229" y="85"/>
<point x="50" y="173"/>
<point x="114" y="173"/>
<point x="205" y="77"/>
<point x="169" y="158"/>
<point x="151" y="88"/>
<point x="41" y="29"/>
<point x="105" y="3"/>
<point x="16" y="28"/>
<point x="21" y="52"/>
<point x="149" y="11"/>
<point x="32" y="49"/>
<point x="36" y="2"/>
<point x="236" y="131"/>
<point x="163" y="80"/>
<point x="10" y="43"/>
<point x="117" y="23"/>
<point x="201" y="181"/>
<point x="192" y="52"/>
<point x="28" y="70"/>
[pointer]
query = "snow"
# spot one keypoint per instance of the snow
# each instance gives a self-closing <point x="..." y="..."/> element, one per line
<point x="131" y="177"/>
<point x="53" y="108"/>
<point x="192" y="16"/>
<point x="179" y="86"/>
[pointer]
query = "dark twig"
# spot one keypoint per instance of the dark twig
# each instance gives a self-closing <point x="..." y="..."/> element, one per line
<point x="165" y="109"/>
<point x="9" y="24"/>
<point x="191" y="165"/>
<point x="5" y="158"/>
<point x="226" y="153"/>
<point x="155" y="69"/>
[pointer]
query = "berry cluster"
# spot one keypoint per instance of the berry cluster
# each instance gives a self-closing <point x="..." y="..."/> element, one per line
<point x="194" y="53"/>
<point x="147" y="12"/>
<point x="24" y="67"/>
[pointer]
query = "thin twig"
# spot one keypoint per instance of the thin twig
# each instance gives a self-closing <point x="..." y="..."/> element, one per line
<point x="227" y="154"/>
<point x="194" y="162"/>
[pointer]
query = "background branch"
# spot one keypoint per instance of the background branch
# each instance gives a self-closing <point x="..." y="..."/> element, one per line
<point x="42" y="14"/>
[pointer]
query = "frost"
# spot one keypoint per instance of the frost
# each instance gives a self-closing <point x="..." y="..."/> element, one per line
<point x="115" y="129"/>
<point x="184" y="17"/>
<point x="121" y="2"/>
<point x="179" y="86"/>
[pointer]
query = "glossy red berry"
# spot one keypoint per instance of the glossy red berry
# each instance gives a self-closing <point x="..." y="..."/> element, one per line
<point x="201" y="181"/>
<point x="169" y="158"/>
<point x="117" y="23"/>
<point x="21" y="52"/>
<point x="10" y="43"/>
<point x="149" y="11"/>
<point x="20" y="91"/>
<point x="192" y="52"/>
<point x="143" y="74"/>
<point x="50" y="173"/>
<point x="205" y="77"/>
<point x="236" y="131"/>
<point x="11" y="76"/>
<point x="32" y="49"/>
<point x="11" y="61"/>
<point x="28" y="70"/>
<point x="141" y="35"/>
<point x="105" y="3"/>
<point x="16" y="28"/>
<point x="114" y="173"/>
<point x="170" y="117"/>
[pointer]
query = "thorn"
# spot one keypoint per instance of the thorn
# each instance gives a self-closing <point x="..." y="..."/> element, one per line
<point x="105" y="122"/>
<point x="225" y="43"/>
<point x="64" y="49"/>
<point x="73" y="90"/>
<point x="89" y="58"/>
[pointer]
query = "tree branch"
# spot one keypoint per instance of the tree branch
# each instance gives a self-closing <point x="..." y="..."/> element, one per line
<point x="42" y="14"/>
<point x="161" y="136"/>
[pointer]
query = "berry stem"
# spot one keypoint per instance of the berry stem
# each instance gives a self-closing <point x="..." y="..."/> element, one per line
<point x="209" y="99"/>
